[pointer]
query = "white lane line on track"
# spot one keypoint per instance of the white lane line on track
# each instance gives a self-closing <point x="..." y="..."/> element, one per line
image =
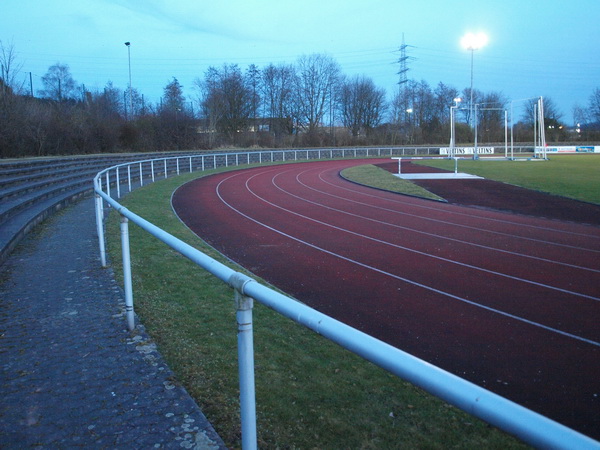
<point x="414" y="230"/>
<point x="467" y="215"/>
<point x="397" y="277"/>
<point x="468" y="227"/>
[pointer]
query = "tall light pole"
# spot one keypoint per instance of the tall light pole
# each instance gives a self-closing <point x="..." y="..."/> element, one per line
<point x="130" y="96"/>
<point x="472" y="42"/>
<point x="409" y="112"/>
<point x="457" y="100"/>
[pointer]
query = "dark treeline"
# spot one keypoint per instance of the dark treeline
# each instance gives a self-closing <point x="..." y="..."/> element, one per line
<point x="309" y="103"/>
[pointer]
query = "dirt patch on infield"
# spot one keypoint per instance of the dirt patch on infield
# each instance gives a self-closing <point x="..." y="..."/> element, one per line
<point x="490" y="194"/>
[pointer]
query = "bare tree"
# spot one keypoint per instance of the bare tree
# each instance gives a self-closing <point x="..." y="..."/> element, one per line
<point x="110" y="101"/>
<point x="318" y="75"/>
<point x="253" y="80"/>
<point x="594" y="106"/>
<point x="173" y="98"/>
<point x="211" y="102"/>
<point x="362" y="105"/>
<point x="227" y="100"/>
<point x="175" y="127"/>
<point x="423" y="105"/>
<point x="279" y="100"/>
<point x="551" y="113"/>
<point x="580" y="115"/>
<point x="490" y="119"/>
<point x="9" y="70"/>
<point x="58" y="83"/>
<point x="468" y="109"/>
<point x="444" y="96"/>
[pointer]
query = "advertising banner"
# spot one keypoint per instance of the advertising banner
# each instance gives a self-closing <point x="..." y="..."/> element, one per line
<point x="573" y="149"/>
<point x="468" y="150"/>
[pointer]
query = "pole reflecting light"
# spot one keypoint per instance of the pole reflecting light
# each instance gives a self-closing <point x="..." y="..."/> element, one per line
<point x="457" y="100"/>
<point x="128" y="44"/>
<point x="472" y="42"/>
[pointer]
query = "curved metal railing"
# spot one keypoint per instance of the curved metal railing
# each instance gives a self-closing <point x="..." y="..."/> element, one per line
<point x="523" y="423"/>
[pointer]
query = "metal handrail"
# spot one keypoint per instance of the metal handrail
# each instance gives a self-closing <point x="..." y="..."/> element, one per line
<point x="523" y="423"/>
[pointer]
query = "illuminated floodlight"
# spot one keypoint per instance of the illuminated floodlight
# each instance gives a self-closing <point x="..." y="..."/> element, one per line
<point x="474" y="41"/>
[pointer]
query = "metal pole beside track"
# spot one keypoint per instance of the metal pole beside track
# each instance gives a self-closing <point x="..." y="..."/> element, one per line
<point x="244" y="305"/>
<point x="118" y="183"/>
<point x="129" y="176"/>
<point x="100" y="222"/>
<point x="127" y="273"/>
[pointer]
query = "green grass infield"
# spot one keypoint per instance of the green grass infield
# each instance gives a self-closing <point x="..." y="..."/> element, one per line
<point x="376" y="177"/>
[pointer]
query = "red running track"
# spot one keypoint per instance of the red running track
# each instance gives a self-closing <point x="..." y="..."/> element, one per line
<point x="509" y="302"/>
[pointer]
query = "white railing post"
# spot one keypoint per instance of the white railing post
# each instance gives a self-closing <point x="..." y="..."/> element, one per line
<point x="129" y="176"/>
<point x="108" y="183"/>
<point x="118" y="183"/>
<point x="152" y="169"/>
<point x="100" y="224"/>
<point x="127" y="273"/>
<point x="243" y="305"/>
<point x="141" y="176"/>
<point x="166" y="168"/>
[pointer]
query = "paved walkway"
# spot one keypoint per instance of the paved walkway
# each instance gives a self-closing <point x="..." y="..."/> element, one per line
<point x="70" y="373"/>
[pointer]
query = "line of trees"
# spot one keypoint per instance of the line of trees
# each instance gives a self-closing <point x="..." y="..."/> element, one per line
<point x="309" y="103"/>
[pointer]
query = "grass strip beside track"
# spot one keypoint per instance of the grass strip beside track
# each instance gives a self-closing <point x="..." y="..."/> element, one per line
<point x="310" y="392"/>
<point x="373" y="176"/>
<point x="573" y="176"/>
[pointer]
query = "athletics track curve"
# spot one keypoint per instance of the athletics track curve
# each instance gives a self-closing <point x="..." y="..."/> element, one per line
<point x="509" y="302"/>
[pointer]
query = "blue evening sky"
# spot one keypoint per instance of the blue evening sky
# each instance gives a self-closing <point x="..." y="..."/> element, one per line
<point x="536" y="47"/>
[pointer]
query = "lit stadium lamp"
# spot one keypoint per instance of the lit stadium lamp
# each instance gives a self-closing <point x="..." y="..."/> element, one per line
<point x="474" y="41"/>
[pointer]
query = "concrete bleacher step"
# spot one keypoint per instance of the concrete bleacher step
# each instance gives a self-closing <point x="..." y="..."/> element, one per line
<point x="26" y="186"/>
<point x="19" y="225"/>
<point x="33" y="189"/>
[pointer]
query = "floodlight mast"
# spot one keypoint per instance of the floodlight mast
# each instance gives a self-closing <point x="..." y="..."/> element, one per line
<point x="472" y="42"/>
<point x="130" y="96"/>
